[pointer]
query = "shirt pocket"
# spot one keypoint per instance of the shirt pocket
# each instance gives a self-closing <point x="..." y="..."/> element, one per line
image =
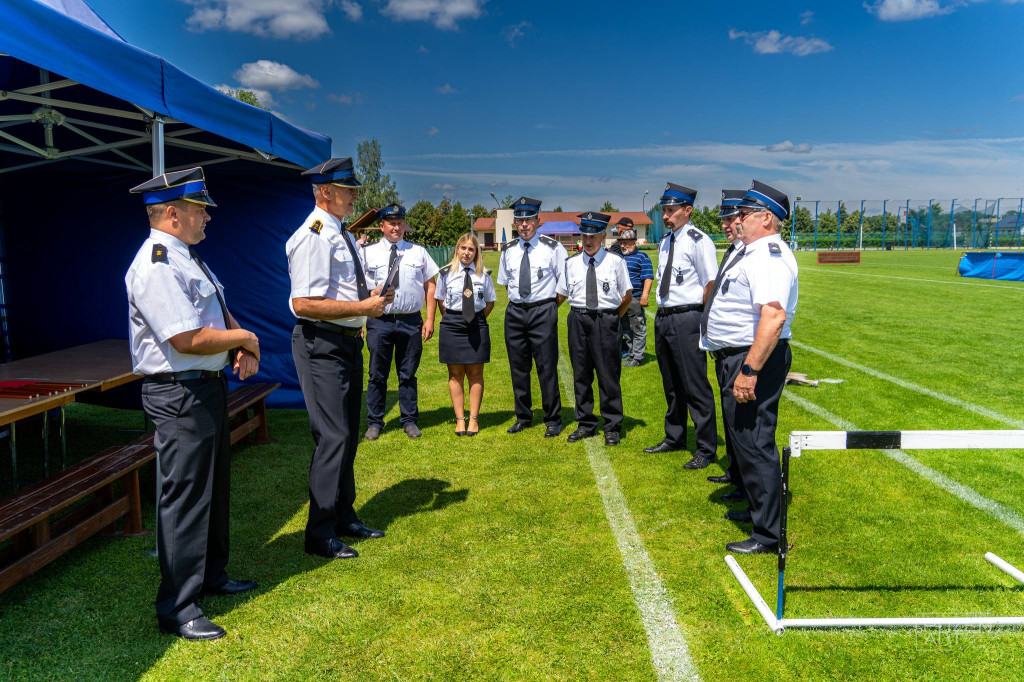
<point x="342" y="265"/>
<point x="203" y="292"/>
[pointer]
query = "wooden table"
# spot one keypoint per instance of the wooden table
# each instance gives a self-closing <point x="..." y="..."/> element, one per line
<point x="97" y="366"/>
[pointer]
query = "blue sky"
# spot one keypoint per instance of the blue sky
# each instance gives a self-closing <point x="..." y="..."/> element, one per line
<point x="579" y="102"/>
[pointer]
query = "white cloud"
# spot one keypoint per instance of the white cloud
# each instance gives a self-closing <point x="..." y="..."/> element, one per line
<point x="514" y="32"/>
<point x="433" y="131"/>
<point x="348" y="99"/>
<point x="446" y="89"/>
<point x="271" y="75"/>
<point x="442" y="13"/>
<point x="353" y="10"/>
<point x="806" y="17"/>
<point x="787" y="146"/>
<point x="264" y="96"/>
<point x="299" y="19"/>
<point x="904" y="10"/>
<point x="773" y="42"/>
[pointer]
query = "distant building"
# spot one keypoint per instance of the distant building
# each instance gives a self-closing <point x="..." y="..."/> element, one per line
<point x="490" y="229"/>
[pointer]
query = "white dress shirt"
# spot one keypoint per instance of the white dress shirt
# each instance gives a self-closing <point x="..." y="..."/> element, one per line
<point x="547" y="257"/>
<point x="320" y="264"/>
<point x="416" y="269"/>
<point x="612" y="279"/>
<point x="168" y="293"/>
<point x="694" y="264"/>
<point x="450" y="287"/>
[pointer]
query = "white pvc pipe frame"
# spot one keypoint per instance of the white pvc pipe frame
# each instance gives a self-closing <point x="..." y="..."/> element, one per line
<point x="910" y="440"/>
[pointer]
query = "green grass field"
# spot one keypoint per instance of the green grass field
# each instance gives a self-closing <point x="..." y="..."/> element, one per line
<point x="501" y="561"/>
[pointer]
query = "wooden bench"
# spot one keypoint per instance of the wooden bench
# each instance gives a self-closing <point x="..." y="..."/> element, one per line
<point x="111" y="478"/>
<point x="838" y="257"/>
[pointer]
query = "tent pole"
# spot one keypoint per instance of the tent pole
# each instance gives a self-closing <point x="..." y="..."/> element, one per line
<point x="157" y="137"/>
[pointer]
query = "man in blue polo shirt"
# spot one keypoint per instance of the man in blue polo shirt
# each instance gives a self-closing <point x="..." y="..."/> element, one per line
<point x="641" y="276"/>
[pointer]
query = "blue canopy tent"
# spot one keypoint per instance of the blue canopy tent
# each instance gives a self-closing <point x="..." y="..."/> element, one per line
<point x="84" y="115"/>
<point x="556" y="227"/>
<point x="992" y="265"/>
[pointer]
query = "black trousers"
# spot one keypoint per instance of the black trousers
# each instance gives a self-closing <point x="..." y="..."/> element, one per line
<point x="594" y="348"/>
<point x="751" y="427"/>
<point x="531" y="335"/>
<point x="194" y="446"/>
<point x="734" y="469"/>
<point x="401" y="338"/>
<point x="330" y="369"/>
<point x="684" y="375"/>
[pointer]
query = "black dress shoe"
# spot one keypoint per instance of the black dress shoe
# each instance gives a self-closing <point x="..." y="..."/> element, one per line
<point x="580" y="434"/>
<point x="751" y="546"/>
<point x="724" y="478"/>
<point x="741" y="515"/>
<point x="358" y="530"/>
<point x="332" y="549"/>
<point x="553" y="430"/>
<point x="198" y="629"/>
<point x="734" y="496"/>
<point x="233" y="587"/>
<point x="698" y="462"/>
<point x="611" y="438"/>
<point x="519" y="426"/>
<point x="661" y="447"/>
<point x="412" y="431"/>
<point x="372" y="432"/>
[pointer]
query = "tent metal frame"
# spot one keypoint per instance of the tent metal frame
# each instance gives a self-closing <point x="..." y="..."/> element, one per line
<point x="800" y="441"/>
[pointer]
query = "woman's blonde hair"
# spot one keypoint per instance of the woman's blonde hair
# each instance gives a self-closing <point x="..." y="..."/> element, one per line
<point x="456" y="265"/>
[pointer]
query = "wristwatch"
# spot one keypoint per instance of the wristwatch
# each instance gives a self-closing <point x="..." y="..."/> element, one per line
<point x="749" y="371"/>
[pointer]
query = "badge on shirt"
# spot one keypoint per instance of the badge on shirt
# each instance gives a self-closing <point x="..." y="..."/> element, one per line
<point x="481" y="295"/>
<point x="679" y="278"/>
<point x="159" y="253"/>
<point x="540" y="274"/>
<point x="468" y="293"/>
<point x="774" y="249"/>
<point x="606" y="286"/>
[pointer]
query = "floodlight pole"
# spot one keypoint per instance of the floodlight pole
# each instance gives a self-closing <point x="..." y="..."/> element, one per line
<point x="643" y="201"/>
<point x="884" y="201"/>
<point x="496" y="202"/>
<point x="860" y="246"/>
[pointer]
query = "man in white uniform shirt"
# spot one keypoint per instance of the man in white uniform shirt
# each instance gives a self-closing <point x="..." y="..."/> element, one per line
<point x="531" y="266"/>
<point x="401" y="331"/>
<point x="598" y="289"/>
<point x="746" y="326"/>
<point x="686" y="268"/>
<point x="331" y="299"/>
<point x="182" y="336"/>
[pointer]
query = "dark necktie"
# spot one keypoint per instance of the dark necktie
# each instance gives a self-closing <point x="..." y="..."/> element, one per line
<point x="391" y="261"/>
<point x="364" y="293"/>
<point x="524" y="272"/>
<point x="592" y="285"/>
<point x="468" y="311"/>
<point x="724" y="268"/>
<point x="666" y="274"/>
<point x="220" y="299"/>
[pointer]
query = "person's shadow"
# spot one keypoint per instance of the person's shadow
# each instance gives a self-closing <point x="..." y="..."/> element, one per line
<point x="408" y="497"/>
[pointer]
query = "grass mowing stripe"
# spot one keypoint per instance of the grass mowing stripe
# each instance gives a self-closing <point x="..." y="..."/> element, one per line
<point x="914" y="279"/>
<point x="971" y="407"/>
<point x="669" y="653"/>
<point x="968" y="495"/>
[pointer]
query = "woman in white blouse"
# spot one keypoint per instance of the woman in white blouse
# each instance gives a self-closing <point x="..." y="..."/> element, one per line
<point x="465" y="293"/>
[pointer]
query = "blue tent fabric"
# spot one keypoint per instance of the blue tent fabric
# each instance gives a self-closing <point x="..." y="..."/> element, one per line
<point x="559" y="227"/>
<point x="52" y="37"/>
<point x="992" y="265"/>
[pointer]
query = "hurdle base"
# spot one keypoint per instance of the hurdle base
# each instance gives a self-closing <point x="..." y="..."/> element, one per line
<point x="779" y="625"/>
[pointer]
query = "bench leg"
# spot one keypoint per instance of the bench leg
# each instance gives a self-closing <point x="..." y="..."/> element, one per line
<point x="260" y="412"/>
<point x="41" y="533"/>
<point x="133" y="519"/>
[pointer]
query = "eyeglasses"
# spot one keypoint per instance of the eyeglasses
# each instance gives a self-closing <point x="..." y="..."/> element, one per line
<point x="744" y="212"/>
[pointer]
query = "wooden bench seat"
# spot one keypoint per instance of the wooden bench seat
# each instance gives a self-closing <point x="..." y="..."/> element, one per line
<point x="111" y="478"/>
<point x="838" y="257"/>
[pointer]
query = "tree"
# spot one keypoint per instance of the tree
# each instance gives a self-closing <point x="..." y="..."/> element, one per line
<point x="558" y="209"/>
<point x="378" y="188"/>
<point x="706" y="219"/>
<point x="425" y="222"/>
<point x="608" y="208"/>
<point x="507" y="201"/>
<point x="478" y="211"/>
<point x="454" y="223"/>
<point x="247" y="96"/>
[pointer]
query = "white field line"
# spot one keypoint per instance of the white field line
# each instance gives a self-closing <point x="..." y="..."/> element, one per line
<point x="669" y="653"/>
<point x="911" y="279"/>
<point x="970" y="407"/>
<point x="969" y="495"/>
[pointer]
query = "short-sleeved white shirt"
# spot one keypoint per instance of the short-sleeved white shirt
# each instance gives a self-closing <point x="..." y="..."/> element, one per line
<point x="320" y="264"/>
<point x="451" y="285"/>
<point x="765" y="273"/>
<point x="547" y="257"/>
<point x="694" y="264"/>
<point x="168" y="293"/>
<point x="612" y="279"/>
<point x="416" y="269"/>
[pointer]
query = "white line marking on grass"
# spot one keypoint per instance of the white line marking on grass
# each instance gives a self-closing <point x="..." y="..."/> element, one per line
<point x="913" y="279"/>
<point x="669" y="653"/>
<point x="969" y="495"/>
<point x="970" y="407"/>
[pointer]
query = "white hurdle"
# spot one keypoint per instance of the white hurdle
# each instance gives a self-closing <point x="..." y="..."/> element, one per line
<point x="800" y="441"/>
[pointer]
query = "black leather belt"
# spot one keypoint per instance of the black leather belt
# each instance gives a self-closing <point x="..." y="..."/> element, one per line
<point x="680" y="309"/>
<point x="399" y="316"/>
<point x="728" y="352"/>
<point x="331" y="327"/>
<point x="599" y="311"/>
<point x="168" y="377"/>
<point x="533" y="304"/>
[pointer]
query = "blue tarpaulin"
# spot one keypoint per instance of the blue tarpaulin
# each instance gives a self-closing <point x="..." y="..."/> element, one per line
<point x="992" y="265"/>
<point x="559" y="227"/>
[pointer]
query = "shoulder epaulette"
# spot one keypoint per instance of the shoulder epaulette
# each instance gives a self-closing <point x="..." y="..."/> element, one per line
<point x="159" y="253"/>
<point x="509" y="243"/>
<point x="550" y="241"/>
<point x="316" y="227"/>
<point x="695" y="235"/>
<point x="774" y="249"/>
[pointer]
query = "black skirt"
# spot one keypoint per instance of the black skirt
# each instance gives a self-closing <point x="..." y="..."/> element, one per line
<point x="464" y="343"/>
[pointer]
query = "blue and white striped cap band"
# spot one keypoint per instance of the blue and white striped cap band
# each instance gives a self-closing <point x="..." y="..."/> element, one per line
<point x="677" y="194"/>
<point x="392" y="211"/>
<point x="187" y="185"/>
<point x="764" y="196"/>
<point x="525" y="207"/>
<point x="731" y="199"/>
<point x="592" y="222"/>
<point x="337" y="171"/>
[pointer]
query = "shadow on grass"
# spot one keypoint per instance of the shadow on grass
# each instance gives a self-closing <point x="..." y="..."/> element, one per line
<point x="408" y="497"/>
